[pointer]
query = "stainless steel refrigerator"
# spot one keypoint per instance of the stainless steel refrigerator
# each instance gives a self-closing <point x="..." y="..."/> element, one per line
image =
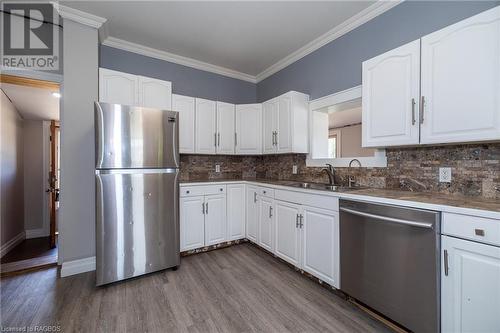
<point x="137" y="208"/>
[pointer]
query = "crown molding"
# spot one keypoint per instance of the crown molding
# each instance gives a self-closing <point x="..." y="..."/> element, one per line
<point x="177" y="59"/>
<point x="380" y="7"/>
<point x="76" y="15"/>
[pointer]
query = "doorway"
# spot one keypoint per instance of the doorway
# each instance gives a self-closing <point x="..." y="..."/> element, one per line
<point x="30" y="173"/>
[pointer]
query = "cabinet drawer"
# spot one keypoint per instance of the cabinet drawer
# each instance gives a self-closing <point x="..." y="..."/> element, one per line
<point x="306" y="199"/>
<point x="480" y="229"/>
<point x="265" y="192"/>
<point x="191" y="191"/>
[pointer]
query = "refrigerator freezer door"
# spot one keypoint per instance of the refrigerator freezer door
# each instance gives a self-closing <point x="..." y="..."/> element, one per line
<point x="137" y="222"/>
<point x="134" y="137"/>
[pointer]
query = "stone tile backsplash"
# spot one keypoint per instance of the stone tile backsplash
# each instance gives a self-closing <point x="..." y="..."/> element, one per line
<point x="475" y="169"/>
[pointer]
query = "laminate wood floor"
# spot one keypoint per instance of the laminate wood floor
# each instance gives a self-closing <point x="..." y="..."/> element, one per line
<point x="236" y="289"/>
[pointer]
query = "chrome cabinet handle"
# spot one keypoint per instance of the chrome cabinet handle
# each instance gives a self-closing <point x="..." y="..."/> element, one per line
<point x="301" y="220"/>
<point x="254" y="196"/>
<point x="270" y="211"/>
<point x="235" y="139"/>
<point x="446" y="268"/>
<point x="215" y="139"/>
<point x="207" y="208"/>
<point x="413" y="116"/>
<point x="203" y="208"/>
<point x="297" y="221"/>
<point x="479" y="232"/>
<point x="276" y="138"/>
<point x="389" y="219"/>
<point x="422" y="106"/>
<point x="218" y="139"/>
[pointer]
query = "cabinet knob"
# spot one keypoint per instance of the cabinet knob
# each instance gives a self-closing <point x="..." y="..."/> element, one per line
<point x="187" y="192"/>
<point x="479" y="232"/>
<point x="221" y="189"/>
<point x="264" y="192"/>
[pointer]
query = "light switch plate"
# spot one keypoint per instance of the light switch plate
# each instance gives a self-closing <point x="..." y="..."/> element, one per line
<point x="294" y="169"/>
<point x="445" y="175"/>
<point x="217" y="168"/>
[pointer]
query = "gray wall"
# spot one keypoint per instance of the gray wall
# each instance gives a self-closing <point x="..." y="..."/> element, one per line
<point x="11" y="170"/>
<point x="337" y="65"/>
<point x="79" y="91"/>
<point x="34" y="177"/>
<point x="185" y="80"/>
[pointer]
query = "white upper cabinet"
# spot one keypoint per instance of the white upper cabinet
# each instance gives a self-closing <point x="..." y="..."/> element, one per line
<point x="185" y="105"/>
<point x="225" y="128"/>
<point x="128" y="89"/>
<point x="206" y="126"/>
<point x="391" y="83"/>
<point x="154" y="93"/>
<point x="285" y="124"/>
<point x="118" y="87"/>
<point x="470" y="286"/>
<point x="461" y="81"/>
<point x="248" y="129"/>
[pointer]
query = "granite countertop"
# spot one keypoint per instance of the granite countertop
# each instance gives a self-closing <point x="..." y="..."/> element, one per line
<point x="492" y="205"/>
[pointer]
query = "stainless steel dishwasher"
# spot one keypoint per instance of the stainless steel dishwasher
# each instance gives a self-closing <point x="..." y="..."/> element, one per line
<point x="389" y="260"/>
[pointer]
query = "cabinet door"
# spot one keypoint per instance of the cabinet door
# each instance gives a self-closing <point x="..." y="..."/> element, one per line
<point x="320" y="244"/>
<point x="252" y="214"/>
<point x="269" y="117"/>
<point x="185" y="105"/>
<point x="235" y="211"/>
<point x="266" y="223"/>
<point x="287" y="235"/>
<point x="154" y="93"/>
<point x="118" y="88"/>
<point x="470" y="289"/>
<point x="461" y="81"/>
<point x="205" y="136"/>
<point x="284" y="125"/>
<point x="215" y="219"/>
<point x="225" y="128"/>
<point x="192" y="225"/>
<point x="391" y="83"/>
<point x="249" y="129"/>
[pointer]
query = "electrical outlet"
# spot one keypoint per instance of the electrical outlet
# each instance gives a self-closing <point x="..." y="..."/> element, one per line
<point x="217" y="168"/>
<point x="445" y="175"/>
<point x="294" y="170"/>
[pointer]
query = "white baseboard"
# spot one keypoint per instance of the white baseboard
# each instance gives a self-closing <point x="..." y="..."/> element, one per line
<point x="36" y="233"/>
<point x="12" y="243"/>
<point x="78" y="266"/>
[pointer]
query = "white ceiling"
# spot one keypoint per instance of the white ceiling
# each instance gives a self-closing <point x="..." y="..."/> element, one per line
<point x="32" y="103"/>
<point x="344" y="117"/>
<point x="247" y="37"/>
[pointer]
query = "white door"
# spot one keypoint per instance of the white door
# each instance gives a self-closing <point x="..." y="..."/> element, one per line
<point x="249" y="129"/>
<point x="284" y="125"/>
<point x="192" y="225"/>
<point x="215" y="219"/>
<point x="154" y="93"/>
<point x="206" y="135"/>
<point x="235" y="211"/>
<point x="118" y="87"/>
<point x="225" y="128"/>
<point x="470" y="287"/>
<point x="185" y="105"/>
<point x="391" y="83"/>
<point x="287" y="235"/>
<point x="252" y="213"/>
<point x="266" y="224"/>
<point x="269" y="120"/>
<point x="320" y="244"/>
<point x="461" y="81"/>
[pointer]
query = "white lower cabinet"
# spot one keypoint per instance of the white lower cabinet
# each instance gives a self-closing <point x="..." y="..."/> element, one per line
<point x="252" y="213"/>
<point x="288" y="232"/>
<point x="266" y="223"/>
<point x="470" y="286"/>
<point x="215" y="219"/>
<point x="192" y="222"/>
<point x="236" y="211"/>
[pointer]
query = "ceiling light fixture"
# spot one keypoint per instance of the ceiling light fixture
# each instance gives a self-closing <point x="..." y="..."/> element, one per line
<point x="56" y="94"/>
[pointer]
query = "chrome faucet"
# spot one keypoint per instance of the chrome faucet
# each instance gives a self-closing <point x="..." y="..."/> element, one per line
<point x="352" y="181"/>
<point x="330" y="171"/>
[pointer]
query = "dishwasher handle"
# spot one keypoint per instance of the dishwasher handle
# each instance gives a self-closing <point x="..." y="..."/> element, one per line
<point x="389" y="219"/>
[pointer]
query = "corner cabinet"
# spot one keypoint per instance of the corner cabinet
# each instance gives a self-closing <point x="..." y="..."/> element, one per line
<point x="252" y="213"/>
<point x="236" y="211"/>
<point x="470" y="286"/>
<point x="128" y="89"/>
<point x="248" y="135"/>
<point x="285" y="124"/>
<point x="185" y="105"/>
<point x="456" y="70"/>
<point x="391" y="84"/>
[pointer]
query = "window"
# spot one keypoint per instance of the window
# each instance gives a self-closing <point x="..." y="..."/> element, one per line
<point x="332" y="147"/>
